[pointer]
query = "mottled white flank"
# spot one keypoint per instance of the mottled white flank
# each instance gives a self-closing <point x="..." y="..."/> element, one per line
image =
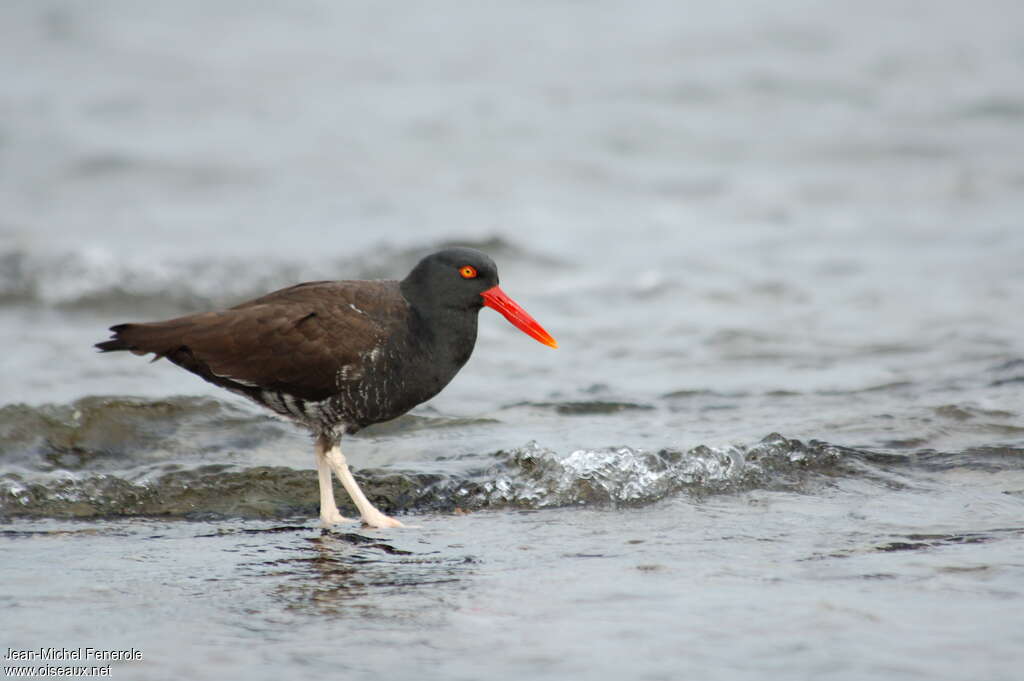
<point x="375" y="353"/>
<point x="367" y="511"/>
<point x="240" y="381"/>
<point x="273" y="400"/>
<point x="289" y="404"/>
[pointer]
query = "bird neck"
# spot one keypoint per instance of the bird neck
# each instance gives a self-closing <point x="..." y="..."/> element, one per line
<point x="448" y="334"/>
<point x="445" y="333"/>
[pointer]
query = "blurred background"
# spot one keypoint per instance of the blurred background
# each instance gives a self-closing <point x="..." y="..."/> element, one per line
<point x="797" y="217"/>
<point x="737" y="219"/>
<point x="751" y="176"/>
<point x="787" y="198"/>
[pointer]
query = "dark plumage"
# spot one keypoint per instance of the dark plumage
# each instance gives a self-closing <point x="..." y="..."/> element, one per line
<point x="338" y="356"/>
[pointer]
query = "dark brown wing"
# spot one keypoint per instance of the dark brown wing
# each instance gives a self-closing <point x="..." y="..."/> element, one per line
<point x="301" y="340"/>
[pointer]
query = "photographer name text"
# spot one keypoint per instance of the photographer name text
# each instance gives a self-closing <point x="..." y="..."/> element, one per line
<point x="77" y="654"/>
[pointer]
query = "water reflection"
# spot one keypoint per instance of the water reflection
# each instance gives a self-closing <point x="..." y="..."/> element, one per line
<point x="348" y="574"/>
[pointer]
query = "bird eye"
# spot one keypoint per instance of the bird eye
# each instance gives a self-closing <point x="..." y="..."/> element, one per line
<point x="467" y="272"/>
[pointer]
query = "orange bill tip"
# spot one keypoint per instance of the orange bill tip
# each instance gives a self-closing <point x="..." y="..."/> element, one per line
<point x="498" y="300"/>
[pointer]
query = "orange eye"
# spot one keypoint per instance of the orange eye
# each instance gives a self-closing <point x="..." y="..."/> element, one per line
<point x="467" y="272"/>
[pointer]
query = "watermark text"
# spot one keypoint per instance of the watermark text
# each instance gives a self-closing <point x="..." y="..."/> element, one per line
<point x="82" y="662"/>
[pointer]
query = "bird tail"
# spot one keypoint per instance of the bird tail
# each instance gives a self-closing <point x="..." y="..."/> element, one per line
<point x="142" y="339"/>
<point x="117" y="342"/>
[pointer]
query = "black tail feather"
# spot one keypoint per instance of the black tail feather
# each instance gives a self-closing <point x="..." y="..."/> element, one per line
<point x="116" y="342"/>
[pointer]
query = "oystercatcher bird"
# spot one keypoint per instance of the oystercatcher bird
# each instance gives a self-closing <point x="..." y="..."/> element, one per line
<point x="337" y="356"/>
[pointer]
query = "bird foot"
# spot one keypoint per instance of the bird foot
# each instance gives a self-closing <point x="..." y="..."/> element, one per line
<point x="329" y="518"/>
<point x="380" y="521"/>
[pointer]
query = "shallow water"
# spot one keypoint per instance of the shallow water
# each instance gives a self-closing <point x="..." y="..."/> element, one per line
<point x="780" y="247"/>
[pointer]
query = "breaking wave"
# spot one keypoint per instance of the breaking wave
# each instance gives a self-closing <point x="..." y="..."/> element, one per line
<point x="535" y="477"/>
<point x="111" y="456"/>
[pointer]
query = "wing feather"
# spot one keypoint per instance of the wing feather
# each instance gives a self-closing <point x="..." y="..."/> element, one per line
<point x="301" y="340"/>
